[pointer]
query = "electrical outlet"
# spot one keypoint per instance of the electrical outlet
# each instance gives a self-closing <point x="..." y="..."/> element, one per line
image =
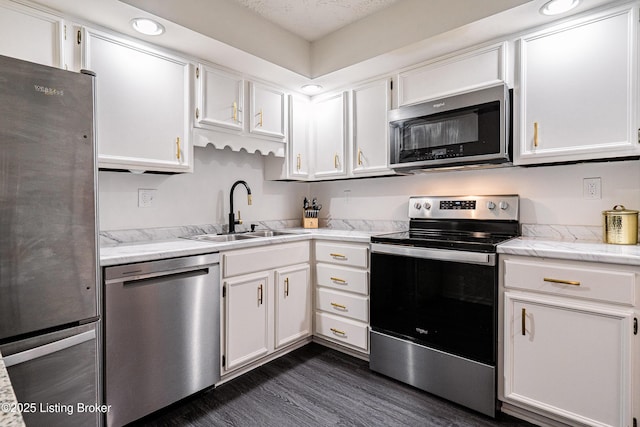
<point x="592" y="188"/>
<point x="146" y="197"/>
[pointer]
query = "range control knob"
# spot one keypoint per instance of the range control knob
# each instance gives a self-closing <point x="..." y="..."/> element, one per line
<point x="491" y="206"/>
<point x="427" y="205"/>
<point x="418" y="205"/>
<point x="504" y="205"/>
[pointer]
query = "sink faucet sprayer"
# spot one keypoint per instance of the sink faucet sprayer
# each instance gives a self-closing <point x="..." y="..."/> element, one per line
<point x="232" y="218"/>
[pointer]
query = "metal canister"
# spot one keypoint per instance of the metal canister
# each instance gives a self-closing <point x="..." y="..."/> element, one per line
<point x="620" y="226"/>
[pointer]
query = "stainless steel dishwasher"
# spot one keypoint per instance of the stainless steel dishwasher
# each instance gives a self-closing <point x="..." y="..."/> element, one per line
<point x="162" y="333"/>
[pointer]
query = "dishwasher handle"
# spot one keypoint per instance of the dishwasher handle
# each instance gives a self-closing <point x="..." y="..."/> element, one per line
<point x="154" y="278"/>
<point x="129" y="272"/>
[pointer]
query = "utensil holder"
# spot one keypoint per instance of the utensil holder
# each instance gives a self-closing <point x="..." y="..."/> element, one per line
<point x="310" y="218"/>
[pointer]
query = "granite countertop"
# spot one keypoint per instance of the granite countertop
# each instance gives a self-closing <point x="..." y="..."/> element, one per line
<point x="9" y="414"/>
<point x="125" y="253"/>
<point x="572" y="250"/>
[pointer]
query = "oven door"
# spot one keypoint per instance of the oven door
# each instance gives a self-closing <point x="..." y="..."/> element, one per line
<point x="441" y="299"/>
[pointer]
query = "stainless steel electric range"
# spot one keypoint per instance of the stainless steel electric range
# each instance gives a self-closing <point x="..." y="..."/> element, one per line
<point x="434" y="294"/>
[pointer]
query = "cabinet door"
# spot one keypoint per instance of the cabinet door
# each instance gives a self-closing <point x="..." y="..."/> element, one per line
<point x="30" y="35"/>
<point x="220" y="99"/>
<point x="330" y="136"/>
<point x="578" y="90"/>
<point x="246" y="319"/>
<point x="293" y="305"/>
<point x="142" y="105"/>
<point x="370" y="128"/>
<point x="298" y="150"/>
<point x="268" y="113"/>
<point x="569" y="359"/>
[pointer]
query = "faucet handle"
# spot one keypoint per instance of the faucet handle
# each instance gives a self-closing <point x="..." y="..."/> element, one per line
<point x="239" y="220"/>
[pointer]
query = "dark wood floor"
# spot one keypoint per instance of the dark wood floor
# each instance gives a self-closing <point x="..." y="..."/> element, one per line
<point x="317" y="386"/>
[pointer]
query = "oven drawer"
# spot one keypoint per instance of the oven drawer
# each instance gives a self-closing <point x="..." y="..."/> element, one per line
<point x="343" y="278"/>
<point x="343" y="254"/>
<point x="572" y="279"/>
<point x="343" y="331"/>
<point x="343" y="304"/>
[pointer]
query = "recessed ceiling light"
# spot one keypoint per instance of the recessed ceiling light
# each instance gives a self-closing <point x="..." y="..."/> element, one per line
<point x="311" y="88"/>
<point x="147" y="26"/>
<point x="556" y="7"/>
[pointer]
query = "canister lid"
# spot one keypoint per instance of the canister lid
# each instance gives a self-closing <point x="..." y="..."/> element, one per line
<point x="620" y="210"/>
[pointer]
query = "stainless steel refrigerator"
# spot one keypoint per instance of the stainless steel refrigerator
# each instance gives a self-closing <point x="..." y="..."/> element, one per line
<point x="49" y="295"/>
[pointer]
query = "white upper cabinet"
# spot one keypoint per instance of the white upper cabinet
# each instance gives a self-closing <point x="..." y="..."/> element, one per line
<point x="31" y="35"/>
<point x="220" y="99"/>
<point x="456" y="73"/>
<point x="370" y="129"/>
<point x="142" y="105"/>
<point x="240" y="114"/>
<point x="299" y="150"/>
<point x="267" y="114"/>
<point x="329" y="136"/>
<point x="578" y="90"/>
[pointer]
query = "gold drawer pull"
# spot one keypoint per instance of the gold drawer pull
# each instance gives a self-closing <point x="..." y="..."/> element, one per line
<point x="337" y="280"/>
<point x="359" y="157"/>
<point x="286" y="287"/>
<point x="336" y="161"/>
<point x="299" y="162"/>
<point x="338" y="256"/>
<point x="338" y="332"/>
<point x="260" y="294"/>
<point x="178" y="148"/>
<point x="235" y="111"/>
<point x="524" y="317"/>
<point x="563" y="282"/>
<point x="535" y="134"/>
<point x="339" y="306"/>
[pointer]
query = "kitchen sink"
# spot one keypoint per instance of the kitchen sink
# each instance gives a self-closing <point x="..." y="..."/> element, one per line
<point x="220" y="237"/>
<point x="268" y="233"/>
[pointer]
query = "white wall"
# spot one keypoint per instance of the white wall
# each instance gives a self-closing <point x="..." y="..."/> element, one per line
<point x="198" y="198"/>
<point x="549" y="194"/>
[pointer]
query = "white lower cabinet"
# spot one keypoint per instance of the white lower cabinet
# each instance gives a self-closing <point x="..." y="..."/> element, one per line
<point x="266" y="301"/>
<point x="570" y="335"/>
<point x="342" y="294"/>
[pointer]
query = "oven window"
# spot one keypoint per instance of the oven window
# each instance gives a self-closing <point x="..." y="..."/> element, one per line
<point x="449" y="306"/>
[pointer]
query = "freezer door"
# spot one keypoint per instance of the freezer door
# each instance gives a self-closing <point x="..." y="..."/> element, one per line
<point x="47" y="198"/>
<point x="55" y="377"/>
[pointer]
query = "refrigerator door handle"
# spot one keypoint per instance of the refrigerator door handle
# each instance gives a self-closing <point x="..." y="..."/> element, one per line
<point x="47" y="349"/>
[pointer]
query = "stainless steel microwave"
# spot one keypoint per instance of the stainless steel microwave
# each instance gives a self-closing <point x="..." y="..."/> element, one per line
<point x="473" y="128"/>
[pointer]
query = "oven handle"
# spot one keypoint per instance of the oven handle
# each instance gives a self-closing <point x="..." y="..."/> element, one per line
<point x="436" y="254"/>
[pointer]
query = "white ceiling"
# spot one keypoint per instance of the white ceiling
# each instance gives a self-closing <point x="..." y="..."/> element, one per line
<point x="314" y="19"/>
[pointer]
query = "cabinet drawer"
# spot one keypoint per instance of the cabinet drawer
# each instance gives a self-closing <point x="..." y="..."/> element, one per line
<point x="343" y="304"/>
<point x="343" y="254"/>
<point x="343" y="278"/>
<point x="343" y="330"/>
<point x="572" y="280"/>
<point x="264" y="258"/>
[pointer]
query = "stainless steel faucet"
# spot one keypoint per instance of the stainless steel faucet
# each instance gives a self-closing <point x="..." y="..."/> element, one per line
<point x="232" y="217"/>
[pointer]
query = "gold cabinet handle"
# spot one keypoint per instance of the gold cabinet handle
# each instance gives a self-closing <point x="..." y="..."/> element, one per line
<point x="260" y="294"/>
<point x="299" y="162"/>
<point x="178" y="151"/>
<point x="338" y="256"/>
<point x="535" y="134"/>
<point x="359" y="157"/>
<point x="523" y="323"/>
<point x="197" y="113"/>
<point x="235" y="111"/>
<point x="337" y="280"/>
<point x="197" y="72"/>
<point x="339" y="306"/>
<point x="336" y="161"/>
<point x="562" y="282"/>
<point x="286" y="287"/>
<point x="261" y="116"/>
<point x="338" y="332"/>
